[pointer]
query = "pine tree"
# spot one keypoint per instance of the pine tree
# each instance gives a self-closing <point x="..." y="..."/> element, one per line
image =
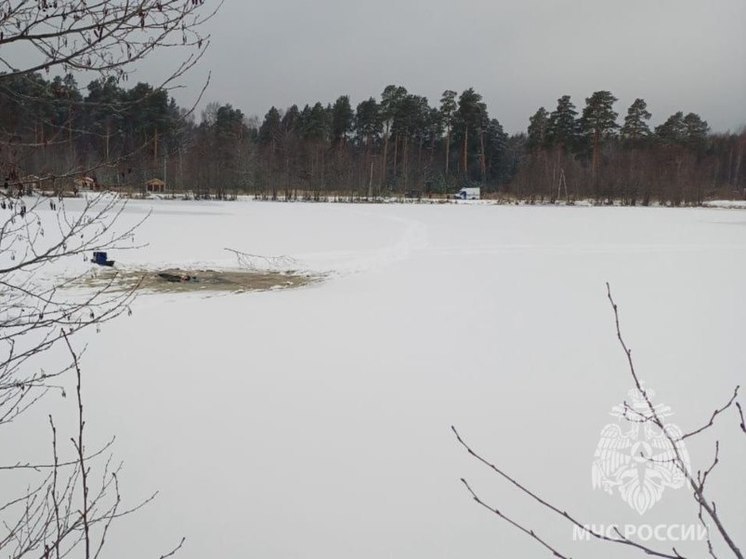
<point x="563" y="129"/>
<point x="696" y="130"/>
<point x="316" y="125"/>
<point x="391" y="100"/>
<point x="635" y="127"/>
<point x="290" y="120"/>
<point x="538" y="129"/>
<point x="368" y="124"/>
<point x="497" y="140"/>
<point x="448" y="108"/>
<point x="316" y="130"/>
<point x="472" y="124"/>
<point x="230" y="137"/>
<point x="342" y="120"/>
<point x="105" y="120"/>
<point x="673" y="131"/>
<point x="289" y="140"/>
<point x="270" y="128"/>
<point x="368" y="128"/>
<point x="411" y="125"/>
<point x="598" y="122"/>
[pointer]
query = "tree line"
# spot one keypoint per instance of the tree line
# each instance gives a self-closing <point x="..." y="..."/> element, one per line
<point x="591" y="154"/>
<point x="395" y="144"/>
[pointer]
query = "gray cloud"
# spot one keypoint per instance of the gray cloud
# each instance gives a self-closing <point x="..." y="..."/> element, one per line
<point x="678" y="54"/>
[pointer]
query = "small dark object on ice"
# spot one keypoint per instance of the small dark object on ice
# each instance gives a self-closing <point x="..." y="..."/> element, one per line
<point x="176" y="278"/>
<point x="100" y="258"/>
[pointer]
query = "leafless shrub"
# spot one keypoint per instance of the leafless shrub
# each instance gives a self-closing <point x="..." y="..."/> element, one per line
<point x="74" y="496"/>
<point x="260" y="263"/>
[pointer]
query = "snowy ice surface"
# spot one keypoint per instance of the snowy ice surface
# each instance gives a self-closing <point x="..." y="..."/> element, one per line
<point x="315" y="422"/>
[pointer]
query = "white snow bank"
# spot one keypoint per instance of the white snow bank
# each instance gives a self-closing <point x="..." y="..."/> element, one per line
<point x="729" y="204"/>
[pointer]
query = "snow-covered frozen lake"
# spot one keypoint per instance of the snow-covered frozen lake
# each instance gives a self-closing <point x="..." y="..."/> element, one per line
<point x="316" y="422"/>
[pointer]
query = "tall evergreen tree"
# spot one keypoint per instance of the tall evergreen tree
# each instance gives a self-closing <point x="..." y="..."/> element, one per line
<point x="635" y="127"/>
<point x="696" y="130"/>
<point x="65" y="96"/>
<point x="290" y="120"/>
<point x="147" y="117"/>
<point x="563" y="128"/>
<point x="496" y="148"/>
<point x="673" y="130"/>
<point x="368" y="127"/>
<point x="342" y="120"/>
<point x="289" y="141"/>
<point x="448" y="107"/>
<point x="472" y="124"/>
<point x="538" y="129"/>
<point x="105" y="118"/>
<point x="316" y="131"/>
<point x="231" y="136"/>
<point x="598" y="122"/>
<point x="270" y="127"/>
<point x="411" y="125"/>
<point x="368" y="124"/>
<point x="317" y="124"/>
<point x="435" y="129"/>
<point x="391" y="100"/>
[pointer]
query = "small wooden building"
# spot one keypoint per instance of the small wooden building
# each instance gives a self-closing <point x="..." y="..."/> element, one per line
<point x="155" y="185"/>
<point x="86" y="183"/>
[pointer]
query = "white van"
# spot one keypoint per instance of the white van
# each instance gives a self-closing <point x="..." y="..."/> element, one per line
<point x="469" y="194"/>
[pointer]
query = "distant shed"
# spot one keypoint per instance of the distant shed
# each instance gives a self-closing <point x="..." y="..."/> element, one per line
<point x="155" y="185"/>
<point x="86" y="183"/>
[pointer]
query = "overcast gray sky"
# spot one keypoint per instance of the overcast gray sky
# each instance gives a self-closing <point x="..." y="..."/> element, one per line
<point x="685" y="55"/>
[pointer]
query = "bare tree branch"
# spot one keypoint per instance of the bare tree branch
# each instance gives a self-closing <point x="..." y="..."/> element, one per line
<point x="740" y="413"/>
<point x="81" y="450"/>
<point x="562" y="513"/>
<point x="513" y="523"/>
<point x="174" y="550"/>
<point x="699" y="491"/>
<point x="714" y="415"/>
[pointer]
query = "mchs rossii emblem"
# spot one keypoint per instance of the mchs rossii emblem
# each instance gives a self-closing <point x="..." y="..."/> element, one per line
<point x="635" y="457"/>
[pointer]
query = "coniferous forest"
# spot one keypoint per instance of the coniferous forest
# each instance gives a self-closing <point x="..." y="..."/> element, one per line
<point x="396" y="144"/>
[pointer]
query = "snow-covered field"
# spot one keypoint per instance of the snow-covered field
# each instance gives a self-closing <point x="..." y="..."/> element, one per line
<point x="316" y="422"/>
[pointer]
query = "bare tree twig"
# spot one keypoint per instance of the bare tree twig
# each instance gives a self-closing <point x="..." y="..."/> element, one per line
<point x="513" y="523"/>
<point x="714" y="415"/>
<point x="564" y="514"/>
<point x="174" y="550"/>
<point x="740" y="413"/>
<point x="81" y="450"/>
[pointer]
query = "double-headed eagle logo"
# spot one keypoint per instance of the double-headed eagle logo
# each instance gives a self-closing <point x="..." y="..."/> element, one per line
<point x="636" y="457"/>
